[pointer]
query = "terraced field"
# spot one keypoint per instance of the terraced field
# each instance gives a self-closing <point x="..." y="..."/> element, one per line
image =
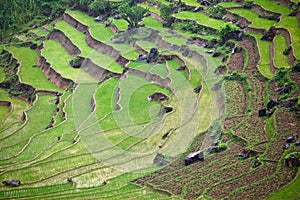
<point x="120" y="125"/>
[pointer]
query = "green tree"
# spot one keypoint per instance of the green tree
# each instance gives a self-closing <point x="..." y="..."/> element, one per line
<point x="166" y="14"/>
<point x="227" y="28"/>
<point x="100" y="7"/>
<point x="132" y="14"/>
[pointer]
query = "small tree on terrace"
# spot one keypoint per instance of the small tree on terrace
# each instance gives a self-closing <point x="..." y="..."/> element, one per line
<point x="132" y="14"/>
<point x="100" y="7"/>
<point x="227" y="29"/>
<point x="166" y="14"/>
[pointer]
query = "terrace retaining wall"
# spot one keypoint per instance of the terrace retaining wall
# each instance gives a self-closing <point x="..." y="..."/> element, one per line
<point x="291" y="56"/>
<point x="96" y="44"/>
<point x="65" y="42"/>
<point x="52" y="75"/>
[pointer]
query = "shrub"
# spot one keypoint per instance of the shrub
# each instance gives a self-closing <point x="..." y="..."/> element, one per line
<point x="217" y="12"/>
<point x="248" y="4"/>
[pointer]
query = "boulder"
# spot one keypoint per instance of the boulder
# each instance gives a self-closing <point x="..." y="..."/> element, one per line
<point x="12" y="182"/>
<point x="152" y="56"/>
<point x="157" y="96"/>
<point x="98" y="19"/>
<point x="262" y="112"/>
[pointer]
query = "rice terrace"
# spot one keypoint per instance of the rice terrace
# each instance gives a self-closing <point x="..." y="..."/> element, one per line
<point x="150" y="99"/>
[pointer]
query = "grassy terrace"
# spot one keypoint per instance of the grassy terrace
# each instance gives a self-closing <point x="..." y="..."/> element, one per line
<point x="151" y="22"/>
<point x="229" y="4"/>
<point x="28" y="60"/>
<point x="265" y="58"/>
<point x="59" y="59"/>
<point x="121" y="24"/>
<point x="191" y="2"/>
<point x="273" y="6"/>
<point x="257" y="22"/>
<point x="200" y="18"/>
<point x="78" y="39"/>
<point x="280" y="60"/>
<point x="98" y="30"/>
<point x="150" y="8"/>
<point x="291" y="24"/>
<point x="104" y="34"/>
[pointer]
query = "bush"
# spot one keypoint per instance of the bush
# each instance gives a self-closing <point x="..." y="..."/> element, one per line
<point x="287" y="51"/>
<point x="248" y="4"/>
<point x="217" y="12"/>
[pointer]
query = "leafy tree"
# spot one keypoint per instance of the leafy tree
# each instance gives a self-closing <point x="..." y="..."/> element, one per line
<point x="166" y="12"/>
<point x="132" y="14"/>
<point x="216" y="12"/>
<point x="100" y="7"/>
<point x="227" y="28"/>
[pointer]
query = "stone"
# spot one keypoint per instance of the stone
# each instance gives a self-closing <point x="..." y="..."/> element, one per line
<point x="152" y="55"/>
<point x="262" y="112"/>
<point x="98" y="19"/>
<point x="12" y="182"/>
<point x="194" y="157"/>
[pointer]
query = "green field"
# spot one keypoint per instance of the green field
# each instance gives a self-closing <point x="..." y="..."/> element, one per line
<point x="53" y="52"/>
<point x="200" y="18"/>
<point x="257" y="22"/>
<point x="28" y="59"/>
<point x="280" y="60"/>
<point x="107" y="139"/>
<point x="291" y="24"/>
<point x="265" y="58"/>
<point x="273" y="6"/>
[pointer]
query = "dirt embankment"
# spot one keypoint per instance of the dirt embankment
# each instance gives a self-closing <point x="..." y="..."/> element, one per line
<point x="250" y="45"/>
<point x="288" y="37"/>
<point x="261" y="11"/>
<point x="76" y="24"/>
<point x="6" y="104"/>
<point x="95" y="44"/>
<point x="106" y="49"/>
<point x="52" y="75"/>
<point x="236" y="19"/>
<point x="45" y="92"/>
<point x="95" y="71"/>
<point x="152" y="78"/>
<point x="65" y="42"/>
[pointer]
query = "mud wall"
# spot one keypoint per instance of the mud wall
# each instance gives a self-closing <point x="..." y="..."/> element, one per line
<point x="152" y="78"/>
<point x="288" y="37"/>
<point x="65" y="42"/>
<point x="52" y="75"/>
<point x="94" y="70"/>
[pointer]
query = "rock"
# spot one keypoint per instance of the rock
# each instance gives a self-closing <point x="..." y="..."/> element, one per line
<point x="168" y="109"/>
<point x="256" y="163"/>
<point x="117" y="17"/>
<point x="244" y="154"/>
<point x="216" y="54"/>
<point x="182" y="67"/>
<point x="209" y="51"/>
<point x="12" y="182"/>
<point x="98" y="19"/>
<point x="157" y="96"/>
<point x="160" y="160"/>
<point x="271" y="104"/>
<point x="262" y="112"/>
<point x="152" y="56"/>
<point x="193" y="157"/>
<point x="198" y="89"/>
<point x="141" y="58"/>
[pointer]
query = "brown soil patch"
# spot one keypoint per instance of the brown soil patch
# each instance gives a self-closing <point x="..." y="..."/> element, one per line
<point x="52" y="75"/>
<point x="250" y="46"/>
<point x="65" y="42"/>
<point x="236" y="62"/>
